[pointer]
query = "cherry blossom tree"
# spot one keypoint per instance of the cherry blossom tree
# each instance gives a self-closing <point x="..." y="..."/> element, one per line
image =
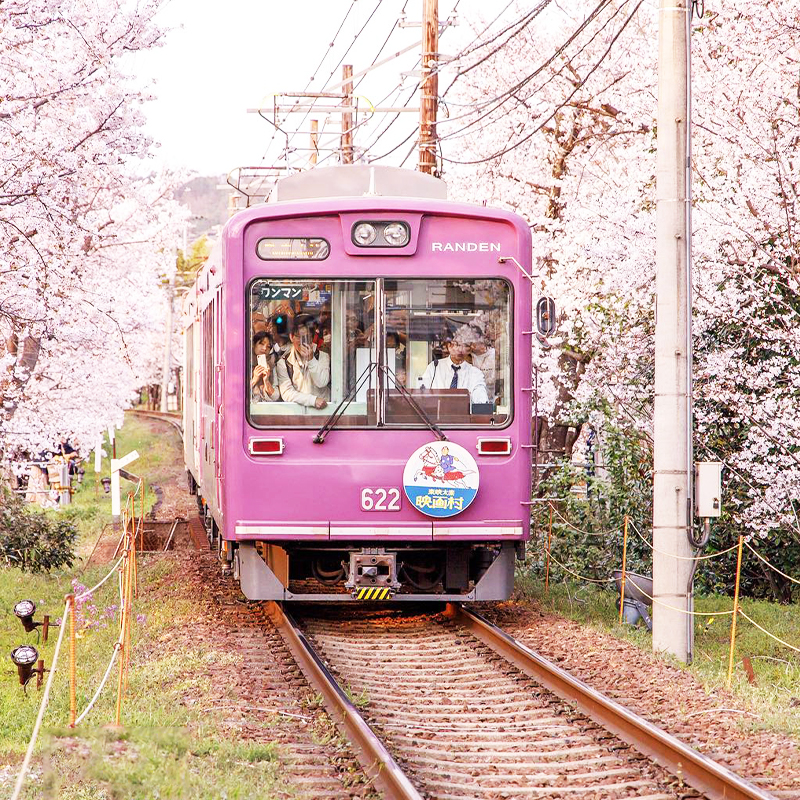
<point x="559" y="124"/>
<point x="83" y="237"/>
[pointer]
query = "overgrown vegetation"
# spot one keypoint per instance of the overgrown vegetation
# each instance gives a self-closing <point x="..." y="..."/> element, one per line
<point x="590" y="504"/>
<point x="32" y="540"/>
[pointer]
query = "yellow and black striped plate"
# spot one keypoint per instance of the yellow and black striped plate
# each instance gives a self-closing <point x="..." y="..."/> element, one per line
<point x="373" y="593"/>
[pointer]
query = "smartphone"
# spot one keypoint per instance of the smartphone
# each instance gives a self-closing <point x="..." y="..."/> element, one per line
<point x="304" y="338"/>
<point x="262" y="360"/>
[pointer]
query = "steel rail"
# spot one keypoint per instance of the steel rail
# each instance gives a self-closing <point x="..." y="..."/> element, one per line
<point x="373" y="756"/>
<point x="165" y="416"/>
<point x="695" y="769"/>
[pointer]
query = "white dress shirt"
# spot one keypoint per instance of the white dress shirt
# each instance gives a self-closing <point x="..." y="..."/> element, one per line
<point x="439" y="375"/>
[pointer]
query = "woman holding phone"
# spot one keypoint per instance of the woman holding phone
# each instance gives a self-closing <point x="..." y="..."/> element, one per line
<point x="262" y="390"/>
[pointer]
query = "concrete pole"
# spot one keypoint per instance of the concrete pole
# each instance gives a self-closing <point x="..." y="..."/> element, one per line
<point x="347" y="116"/>
<point x="672" y="512"/>
<point x="428" y="107"/>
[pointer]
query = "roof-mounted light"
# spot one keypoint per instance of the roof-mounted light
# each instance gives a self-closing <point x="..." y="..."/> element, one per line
<point x="381" y="234"/>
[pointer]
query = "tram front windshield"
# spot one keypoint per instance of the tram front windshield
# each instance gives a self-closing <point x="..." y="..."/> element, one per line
<point x="446" y="352"/>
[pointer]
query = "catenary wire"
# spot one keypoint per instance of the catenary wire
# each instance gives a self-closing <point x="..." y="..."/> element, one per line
<point x="561" y="105"/>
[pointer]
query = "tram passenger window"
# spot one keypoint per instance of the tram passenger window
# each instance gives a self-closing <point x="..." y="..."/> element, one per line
<point x="451" y="350"/>
<point x="311" y="346"/>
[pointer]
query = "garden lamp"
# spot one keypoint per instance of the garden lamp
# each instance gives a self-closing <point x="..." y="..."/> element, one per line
<point x="25" y="657"/>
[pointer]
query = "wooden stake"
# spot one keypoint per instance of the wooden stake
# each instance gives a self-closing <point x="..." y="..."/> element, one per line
<point x="624" y="560"/>
<point x="547" y="564"/>
<point x="735" y="611"/>
<point x="73" y="679"/>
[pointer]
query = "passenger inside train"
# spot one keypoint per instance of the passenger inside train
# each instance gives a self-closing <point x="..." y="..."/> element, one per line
<point x="445" y="343"/>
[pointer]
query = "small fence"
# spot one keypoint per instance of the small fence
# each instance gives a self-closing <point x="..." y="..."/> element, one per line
<point x="735" y="612"/>
<point x="126" y="571"/>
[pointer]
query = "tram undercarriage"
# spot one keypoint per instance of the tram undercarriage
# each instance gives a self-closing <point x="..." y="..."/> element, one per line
<point x="363" y="571"/>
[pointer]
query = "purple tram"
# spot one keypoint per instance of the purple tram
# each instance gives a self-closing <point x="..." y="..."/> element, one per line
<point x="357" y="409"/>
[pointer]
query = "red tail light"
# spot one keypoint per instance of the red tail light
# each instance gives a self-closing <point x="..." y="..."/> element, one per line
<point x="494" y="447"/>
<point x="266" y="447"/>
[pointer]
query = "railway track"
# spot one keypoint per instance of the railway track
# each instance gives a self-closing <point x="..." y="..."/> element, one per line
<point x="455" y="709"/>
<point x="161" y="415"/>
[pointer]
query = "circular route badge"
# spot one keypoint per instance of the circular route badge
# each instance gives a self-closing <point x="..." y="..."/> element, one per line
<point x="441" y="479"/>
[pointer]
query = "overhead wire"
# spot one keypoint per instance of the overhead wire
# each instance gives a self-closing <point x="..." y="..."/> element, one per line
<point x="511" y="92"/>
<point x="523" y="23"/>
<point x="580" y="85"/>
<point x="308" y="84"/>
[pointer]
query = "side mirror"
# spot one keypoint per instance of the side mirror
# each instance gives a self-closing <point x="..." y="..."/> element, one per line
<point x="546" y="316"/>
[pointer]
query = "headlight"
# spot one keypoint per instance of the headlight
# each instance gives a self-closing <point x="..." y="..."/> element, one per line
<point x="396" y="234"/>
<point x="364" y="234"/>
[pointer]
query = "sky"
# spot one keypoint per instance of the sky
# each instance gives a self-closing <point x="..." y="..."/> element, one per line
<point x="218" y="63"/>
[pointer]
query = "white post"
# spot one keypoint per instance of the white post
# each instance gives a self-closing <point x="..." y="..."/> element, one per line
<point x="166" y="366"/>
<point x="98" y="454"/>
<point x="672" y="451"/>
<point x="116" y="465"/>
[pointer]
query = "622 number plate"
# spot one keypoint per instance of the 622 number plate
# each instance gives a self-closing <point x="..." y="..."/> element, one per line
<point x="380" y="499"/>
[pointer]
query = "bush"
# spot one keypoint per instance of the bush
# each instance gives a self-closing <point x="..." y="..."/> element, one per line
<point x="31" y="540"/>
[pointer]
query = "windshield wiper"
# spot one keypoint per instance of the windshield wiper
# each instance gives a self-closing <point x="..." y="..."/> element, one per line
<point x="418" y="410"/>
<point x="331" y="421"/>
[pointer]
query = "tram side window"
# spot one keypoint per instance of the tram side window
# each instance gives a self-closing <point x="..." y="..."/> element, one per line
<point x="311" y="345"/>
<point x="208" y="355"/>
<point x="448" y="342"/>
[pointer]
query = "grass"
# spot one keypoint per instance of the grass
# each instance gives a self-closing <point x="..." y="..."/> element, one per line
<point x="168" y="745"/>
<point x="774" y="698"/>
<point x="91" y="507"/>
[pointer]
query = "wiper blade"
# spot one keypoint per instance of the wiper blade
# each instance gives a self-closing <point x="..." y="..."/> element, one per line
<point x="331" y="421"/>
<point x="418" y="410"/>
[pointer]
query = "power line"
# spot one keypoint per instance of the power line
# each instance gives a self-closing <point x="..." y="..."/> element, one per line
<point x="510" y="92"/>
<point x="579" y="86"/>
<point x="523" y="23"/>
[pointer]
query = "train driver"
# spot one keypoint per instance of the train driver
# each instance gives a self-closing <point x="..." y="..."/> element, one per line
<point x="304" y="373"/>
<point x="455" y="372"/>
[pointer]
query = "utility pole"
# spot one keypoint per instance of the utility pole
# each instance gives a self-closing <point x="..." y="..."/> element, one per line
<point x="347" y="116"/>
<point x="429" y="87"/>
<point x="314" y="142"/>
<point x="673" y="629"/>
<point x="166" y="367"/>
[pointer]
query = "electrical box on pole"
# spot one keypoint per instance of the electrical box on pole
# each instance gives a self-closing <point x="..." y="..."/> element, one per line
<point x="708" y="489"/>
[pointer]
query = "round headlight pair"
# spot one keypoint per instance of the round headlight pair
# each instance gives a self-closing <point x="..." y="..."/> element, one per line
<point x="392" y="234"/>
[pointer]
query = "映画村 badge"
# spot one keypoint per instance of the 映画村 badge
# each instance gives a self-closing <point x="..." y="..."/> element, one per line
<point x="441" y="479"/>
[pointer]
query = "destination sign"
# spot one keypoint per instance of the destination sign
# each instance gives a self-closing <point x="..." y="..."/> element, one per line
<point x="292" y="249"/>
<point x="275" y="292"/>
